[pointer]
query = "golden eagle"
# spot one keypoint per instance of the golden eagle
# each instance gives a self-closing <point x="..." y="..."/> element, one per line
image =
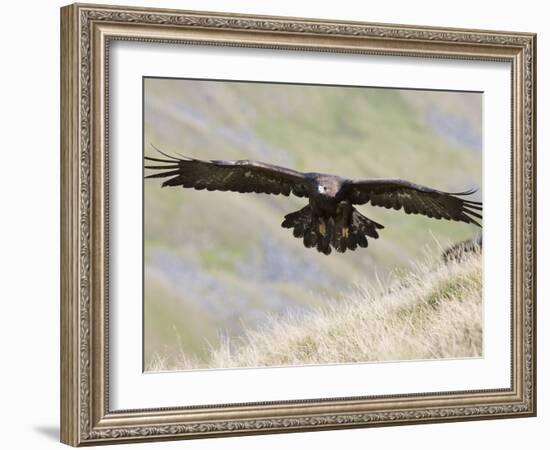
<point x="329" y="220"/>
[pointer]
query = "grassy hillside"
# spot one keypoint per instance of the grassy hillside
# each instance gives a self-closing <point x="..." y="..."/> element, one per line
<point x="217" y="263"/>
<point x="431" y="312"/>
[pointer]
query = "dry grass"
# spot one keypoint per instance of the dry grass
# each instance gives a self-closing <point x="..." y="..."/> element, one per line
<point x="432" y="312"/>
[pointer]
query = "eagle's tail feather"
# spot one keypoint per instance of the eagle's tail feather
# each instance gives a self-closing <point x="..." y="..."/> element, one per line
<point x="324" y="229"/>
<point x="299" y="220"/>
<point x="353" y="233"/>
<point x="343" y="231"/>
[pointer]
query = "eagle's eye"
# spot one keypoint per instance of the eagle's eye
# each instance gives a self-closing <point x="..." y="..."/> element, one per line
<point x="322" y="189"/>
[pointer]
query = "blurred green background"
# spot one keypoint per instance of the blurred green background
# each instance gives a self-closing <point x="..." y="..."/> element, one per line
<point x="219" y="262"/>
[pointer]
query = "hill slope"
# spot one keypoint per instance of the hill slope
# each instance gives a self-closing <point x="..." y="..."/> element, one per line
<point x="431" y="312"/>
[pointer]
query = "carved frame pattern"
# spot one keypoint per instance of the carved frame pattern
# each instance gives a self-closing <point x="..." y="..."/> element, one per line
<point x="86" y="33"/>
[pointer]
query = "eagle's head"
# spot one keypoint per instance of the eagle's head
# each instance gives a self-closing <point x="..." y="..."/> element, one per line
<point x="328" y="186"/>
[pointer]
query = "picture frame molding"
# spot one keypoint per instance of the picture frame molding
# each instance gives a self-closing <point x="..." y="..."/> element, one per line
<point x="86" y="32"/>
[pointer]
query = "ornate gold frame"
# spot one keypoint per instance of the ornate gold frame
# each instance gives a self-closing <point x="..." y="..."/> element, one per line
<point x="86" y="31"/>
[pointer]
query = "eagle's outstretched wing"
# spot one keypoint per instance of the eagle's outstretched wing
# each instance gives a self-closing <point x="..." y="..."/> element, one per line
<point x="237" y="176"/>
<point x="413" y="198"/>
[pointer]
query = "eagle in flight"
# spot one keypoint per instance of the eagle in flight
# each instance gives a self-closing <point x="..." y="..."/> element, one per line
<point x="329" y="220"/>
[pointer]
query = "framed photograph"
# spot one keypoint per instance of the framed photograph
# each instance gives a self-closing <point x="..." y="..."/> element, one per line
<point x="276" y="224"/>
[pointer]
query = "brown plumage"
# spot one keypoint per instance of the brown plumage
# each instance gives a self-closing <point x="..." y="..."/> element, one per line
<point x="329" y="220"/>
